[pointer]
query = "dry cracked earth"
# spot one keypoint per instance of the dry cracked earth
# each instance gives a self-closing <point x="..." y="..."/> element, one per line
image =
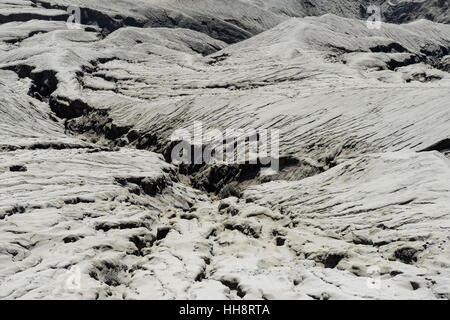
<point x="91" y="206"/>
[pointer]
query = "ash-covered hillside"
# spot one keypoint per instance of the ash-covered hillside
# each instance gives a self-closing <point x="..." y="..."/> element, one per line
<point x="93" y="207"/>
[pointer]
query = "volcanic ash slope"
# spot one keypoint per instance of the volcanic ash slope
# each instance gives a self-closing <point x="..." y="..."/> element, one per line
<point x="91" y="209"/>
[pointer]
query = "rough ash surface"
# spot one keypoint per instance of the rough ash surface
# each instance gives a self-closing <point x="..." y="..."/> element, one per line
<point x="92" y="208"/>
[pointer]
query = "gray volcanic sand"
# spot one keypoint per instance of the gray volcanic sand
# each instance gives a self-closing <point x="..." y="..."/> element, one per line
<point x="92" y="208"/>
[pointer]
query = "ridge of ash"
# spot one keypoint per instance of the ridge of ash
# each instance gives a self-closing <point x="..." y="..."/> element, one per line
<point x="222" y="180"/>
<point x="227" y="31"/>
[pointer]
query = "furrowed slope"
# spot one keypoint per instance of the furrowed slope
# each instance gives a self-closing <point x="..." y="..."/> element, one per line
<point x="88" y="209"/>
